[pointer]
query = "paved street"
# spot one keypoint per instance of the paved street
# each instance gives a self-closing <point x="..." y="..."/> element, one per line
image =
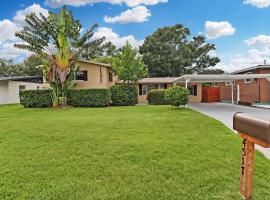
<point x="225" y="112"/>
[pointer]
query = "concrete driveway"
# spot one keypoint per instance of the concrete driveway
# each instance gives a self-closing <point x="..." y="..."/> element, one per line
<point x="225" y="112"/>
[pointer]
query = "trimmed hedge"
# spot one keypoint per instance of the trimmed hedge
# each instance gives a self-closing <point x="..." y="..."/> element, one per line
<point x="124" y="95"/>
<point x="36" y="98"/>
<point x="157" y="97"/>
<point x="88" y="98"/>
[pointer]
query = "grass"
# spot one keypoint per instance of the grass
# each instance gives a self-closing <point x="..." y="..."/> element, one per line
<point x="141" y="152"/>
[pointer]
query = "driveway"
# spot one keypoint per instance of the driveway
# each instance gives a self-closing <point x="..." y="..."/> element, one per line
<point x="225" y="112"/>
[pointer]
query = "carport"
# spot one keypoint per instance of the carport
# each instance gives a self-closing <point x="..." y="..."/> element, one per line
<point x="222" y="78"/>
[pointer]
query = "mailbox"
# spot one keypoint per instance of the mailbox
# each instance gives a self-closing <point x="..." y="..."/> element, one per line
<point x="252" y="127"/>
<point x="252" y="131"/>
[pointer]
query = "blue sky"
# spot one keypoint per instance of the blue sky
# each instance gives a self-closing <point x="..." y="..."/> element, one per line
<point x="238" y="28"/>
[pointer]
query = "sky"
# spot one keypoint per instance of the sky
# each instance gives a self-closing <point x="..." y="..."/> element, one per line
<point x="238" y="28"/>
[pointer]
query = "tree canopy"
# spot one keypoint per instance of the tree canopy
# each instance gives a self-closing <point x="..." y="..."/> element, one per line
<point x="170" y="52"/>
<point x="31" y="66"/>
<point x="128" y="65"/>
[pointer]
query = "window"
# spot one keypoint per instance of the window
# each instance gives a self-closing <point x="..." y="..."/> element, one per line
<point x="193" y="90"/>
<point x="110" y="77"/>
<point x="22" y="87"/>
<point x="140" y="89"/>
<point x="82" y="76"/>
<point x="215" y="84"/>
<point x="165" y="86"/>
<point x="248" y="80"/>
<point x="230" y="82"/>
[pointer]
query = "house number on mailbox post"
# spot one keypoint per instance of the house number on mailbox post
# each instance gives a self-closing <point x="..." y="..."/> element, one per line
<point x="252" y="131"/>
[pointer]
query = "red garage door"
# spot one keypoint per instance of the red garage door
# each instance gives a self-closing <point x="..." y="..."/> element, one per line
<point x="210" y="94"/>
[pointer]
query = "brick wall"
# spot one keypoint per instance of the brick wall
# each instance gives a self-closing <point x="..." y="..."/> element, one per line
<point x="257" y="91"/>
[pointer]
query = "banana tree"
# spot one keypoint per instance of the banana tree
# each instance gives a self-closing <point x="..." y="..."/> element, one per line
<point x="58" y="40"/>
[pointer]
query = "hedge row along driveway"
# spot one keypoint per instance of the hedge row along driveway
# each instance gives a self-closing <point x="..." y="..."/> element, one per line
<point x="137" y="152"/>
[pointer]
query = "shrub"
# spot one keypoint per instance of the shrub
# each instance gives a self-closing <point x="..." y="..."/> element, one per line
<point x="36" y="98"/>
<point x="88" y="98"/>
<point x="124" y="95"/>
<point x="177" y="96"/>
<point x="157" y="97"/>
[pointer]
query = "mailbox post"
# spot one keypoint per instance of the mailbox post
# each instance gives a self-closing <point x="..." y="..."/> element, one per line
<point x="252" y="131"/>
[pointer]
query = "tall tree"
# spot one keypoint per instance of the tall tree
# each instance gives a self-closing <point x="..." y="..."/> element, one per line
<point x="9" y="69"/>
<point x="212" y="71"/>
<point x="58" y="41"/>
<point x="32" y="66"/>
<point x="169" y="52"/>
<point x="129" y="66"/>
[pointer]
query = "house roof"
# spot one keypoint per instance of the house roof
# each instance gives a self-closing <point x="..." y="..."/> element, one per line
<point x="220" y="78"/>
<point x="19" y="78"/>
<point x="156" y="80"/>
<point x="94" y="63"/>
<point x="159" y="80"/>
<point x="251" y="68"/>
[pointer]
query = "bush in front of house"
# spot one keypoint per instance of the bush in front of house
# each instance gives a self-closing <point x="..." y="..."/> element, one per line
<point x="177" y="96"/>
<point x="88" y="98"/>
<point x="157" y="97"/>
<point x="124" y="95"/>
<point x="36" y="98"/>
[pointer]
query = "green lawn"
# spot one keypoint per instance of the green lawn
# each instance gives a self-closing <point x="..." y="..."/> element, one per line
<point x="141" y="152"/>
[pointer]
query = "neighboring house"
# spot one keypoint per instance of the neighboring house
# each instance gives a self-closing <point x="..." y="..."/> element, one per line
<point x="10" y="87"/>
<point x="247" y="91"/>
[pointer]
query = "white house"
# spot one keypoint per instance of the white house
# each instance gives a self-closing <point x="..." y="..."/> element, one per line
<point x="10" y="87"/>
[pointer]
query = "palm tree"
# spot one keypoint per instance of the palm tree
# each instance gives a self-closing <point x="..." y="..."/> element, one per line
<point x="57" y="40"/>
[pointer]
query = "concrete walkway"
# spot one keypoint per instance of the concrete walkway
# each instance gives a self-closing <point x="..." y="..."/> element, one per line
<point x="225" y="112"/>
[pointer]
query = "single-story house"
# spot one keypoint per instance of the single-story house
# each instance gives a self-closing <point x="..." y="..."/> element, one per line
<point x="99" y="75"/>
<point x="10" y="87"/>
<point x="249" y="85"/>
<point x="94" y="75"/>
<point x="147" y="84"/>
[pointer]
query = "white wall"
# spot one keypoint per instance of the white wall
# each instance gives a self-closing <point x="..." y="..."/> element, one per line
<point x="3" y="92"/>
<point x="9" y="90"/>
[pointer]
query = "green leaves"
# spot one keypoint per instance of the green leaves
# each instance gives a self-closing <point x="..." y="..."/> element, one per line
<point x="129" y="66"/>
<point x="177" y="96"/>
<point x="169" y="52"/>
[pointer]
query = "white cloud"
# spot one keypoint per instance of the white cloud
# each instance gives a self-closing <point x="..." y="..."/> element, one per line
<point x="218" y="29"/>
<point x="8" y="28"/>
<point x="252" y="58"/>
<point x="35" y="8"/>
<point x="113" y="37"/>
<point x="259" y="41"/>
<point x="135" y="15"/>
<point x="8" y="51"/>
<point x="78" y="3"/>
<point x="258" y="3"/>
